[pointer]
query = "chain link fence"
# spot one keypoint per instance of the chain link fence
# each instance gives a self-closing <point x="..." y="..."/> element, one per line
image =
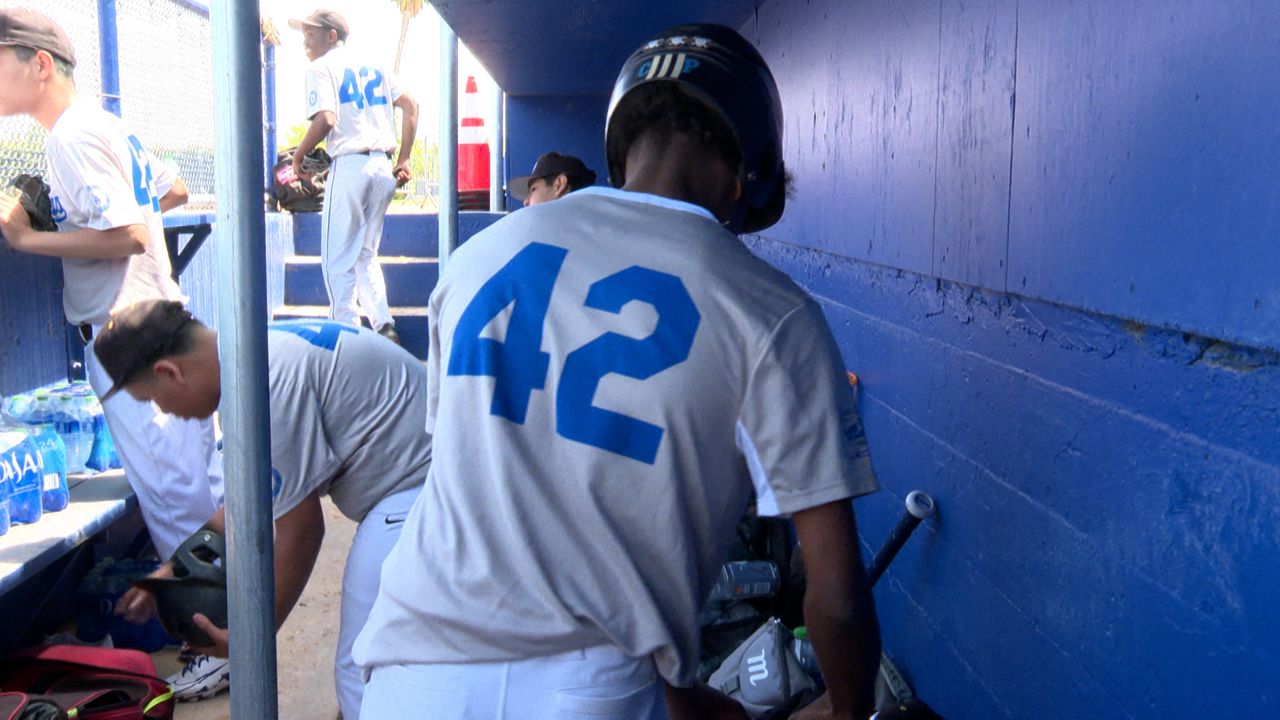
<point x="166" y="84"/>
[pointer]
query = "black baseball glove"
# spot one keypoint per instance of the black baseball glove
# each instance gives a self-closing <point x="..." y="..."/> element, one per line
<point x="35" y="200"/>
<point x="315" y="162"/>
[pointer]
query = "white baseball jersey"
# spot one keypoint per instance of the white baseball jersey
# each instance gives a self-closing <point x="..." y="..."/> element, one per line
<point x="359" y="94"/>
<point x="609" y="376"/>
<point x="347" y="411"/>
<point x="101" y="178"/>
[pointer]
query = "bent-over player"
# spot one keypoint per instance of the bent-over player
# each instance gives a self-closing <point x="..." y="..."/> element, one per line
<point x="611" y="374"/>
<point x="347" y="416"/>
<point x="349" y="103"/>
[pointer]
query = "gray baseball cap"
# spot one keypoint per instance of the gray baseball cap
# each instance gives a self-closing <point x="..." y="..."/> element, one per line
<point x="327" y="19"/>
<point x="26" y="28"/>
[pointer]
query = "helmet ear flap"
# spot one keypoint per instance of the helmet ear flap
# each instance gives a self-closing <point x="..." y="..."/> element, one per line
<point x="763" y="216"/>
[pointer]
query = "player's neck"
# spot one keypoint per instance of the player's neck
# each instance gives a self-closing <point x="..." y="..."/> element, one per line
<point x="680" y="169"/>
<point x="53" y="103"/>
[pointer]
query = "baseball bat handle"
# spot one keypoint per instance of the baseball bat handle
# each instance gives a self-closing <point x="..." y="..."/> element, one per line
<point x="918" y="507"/>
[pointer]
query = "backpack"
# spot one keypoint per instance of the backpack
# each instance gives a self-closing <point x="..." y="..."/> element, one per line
<point x="62" y="681"/>
<point x="293" y="193"/>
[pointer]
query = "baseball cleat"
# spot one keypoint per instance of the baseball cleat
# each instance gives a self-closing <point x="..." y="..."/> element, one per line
<point x="201" y="679"/>
<point x="388" y="331"/>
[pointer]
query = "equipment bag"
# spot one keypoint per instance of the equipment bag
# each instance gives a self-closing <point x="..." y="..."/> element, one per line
<point x="72" y="681"/>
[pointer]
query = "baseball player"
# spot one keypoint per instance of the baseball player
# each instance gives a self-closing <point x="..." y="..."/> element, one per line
<point x="349" y="102"/>
<point x="553" y="176"/>
<point x="347" y="413"/>
<point x="611" y="375"/>
<point x="107" y="193"/>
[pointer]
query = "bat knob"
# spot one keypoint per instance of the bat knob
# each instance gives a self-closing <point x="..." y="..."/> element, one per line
<point x="919" y="504"/>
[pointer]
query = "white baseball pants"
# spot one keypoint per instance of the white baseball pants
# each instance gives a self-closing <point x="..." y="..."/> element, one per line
<point x="173" y="464"/>
<point x="359" y="189"/>
<point x="599" y="683"/>
<point x="375" y="536"/>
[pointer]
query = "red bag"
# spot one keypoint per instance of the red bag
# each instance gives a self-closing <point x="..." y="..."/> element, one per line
<point x="84" y="682"/>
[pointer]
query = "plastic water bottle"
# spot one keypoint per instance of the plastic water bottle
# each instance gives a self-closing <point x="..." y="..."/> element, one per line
<point x="75" y="425"/>
<point x="4" y="499"/>
<point x="104" y="455"/>
<point x="20" y="465"/>
<point x="54" y="494"/>
<point x="802" y="647"/>
<point x="743" y="579"/>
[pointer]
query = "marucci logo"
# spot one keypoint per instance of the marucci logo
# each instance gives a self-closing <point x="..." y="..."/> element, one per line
<point x="667" y="66"/>
<point x="758" y="667"/>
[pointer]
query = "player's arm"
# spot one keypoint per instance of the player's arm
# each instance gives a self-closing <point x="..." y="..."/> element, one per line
<point x="321" y="123"/>
<point x="84" y="243"/>
<point x="408" y="130"/>
<point x="839" y="611"/>
<point x="701" y="702"/>
<point x="177" y="196"/>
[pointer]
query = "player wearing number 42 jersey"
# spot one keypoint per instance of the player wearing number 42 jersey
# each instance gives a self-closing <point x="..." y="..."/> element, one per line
<point x="611" y="375"/>
<point x="349" y="103"/>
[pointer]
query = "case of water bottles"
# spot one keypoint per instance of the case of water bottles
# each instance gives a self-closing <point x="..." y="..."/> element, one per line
<point x="45" y="434"/>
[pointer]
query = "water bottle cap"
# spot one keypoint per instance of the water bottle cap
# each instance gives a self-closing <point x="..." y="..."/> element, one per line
<point x="801" y="633"/>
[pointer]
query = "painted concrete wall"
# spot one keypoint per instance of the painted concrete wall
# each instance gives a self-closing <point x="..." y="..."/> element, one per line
<point x="33" y="345"/>
<point x="1047" y="236"/>
<point x="568" y="124"/>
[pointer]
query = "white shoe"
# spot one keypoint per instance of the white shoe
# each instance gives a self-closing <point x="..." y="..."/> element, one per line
<point x="201" y="679"/>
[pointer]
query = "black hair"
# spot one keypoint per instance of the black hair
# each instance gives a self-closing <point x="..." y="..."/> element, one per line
<point x="577" y="182"/>
<point x="62" y="67"/>
<point x="664" y="110"/>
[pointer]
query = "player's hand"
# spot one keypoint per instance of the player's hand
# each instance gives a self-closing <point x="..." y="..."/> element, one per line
<point x="14" y="221"/>
<point x="702" y="702"/>
<point x="217" y="634"/>
<point x="136" y="605"/>
<point x="402" y="173"/>
<point x="297" y="167"/>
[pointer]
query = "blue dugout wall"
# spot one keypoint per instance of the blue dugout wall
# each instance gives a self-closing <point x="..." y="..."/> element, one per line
<point x="1047" y="236"/>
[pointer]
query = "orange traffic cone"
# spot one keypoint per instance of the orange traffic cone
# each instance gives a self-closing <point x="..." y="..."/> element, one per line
<point x="473" y="152"/>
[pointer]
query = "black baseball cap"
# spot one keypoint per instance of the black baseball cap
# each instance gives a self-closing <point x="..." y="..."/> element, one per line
<point x="328" y="19"/>
<point x="548" y="166"/>
<point x="26" y="28"/>
<point x="136" y="337"/>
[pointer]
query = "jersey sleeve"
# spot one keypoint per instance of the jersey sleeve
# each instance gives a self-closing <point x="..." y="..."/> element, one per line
<point x="301" y="457"/>
<point x="799" y="427"/>
<point x="321" y="94"/>
<point x="103" y="189"/>
<point x="163" y="174"/>
<point x="393" y="86"/>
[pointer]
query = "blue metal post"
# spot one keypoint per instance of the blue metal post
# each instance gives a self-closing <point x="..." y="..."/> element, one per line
<point x="109" y="54"/>
<point x="269" y="101"/>
<point x="497" y="198"/>
<point x="448" y="142"/>
<point x="242" y="348"/>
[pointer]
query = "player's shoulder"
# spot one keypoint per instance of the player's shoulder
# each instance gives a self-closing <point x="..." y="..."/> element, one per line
<point x="81" y="122"/>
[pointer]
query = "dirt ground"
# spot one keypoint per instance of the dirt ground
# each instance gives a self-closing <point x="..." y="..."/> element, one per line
<point x="304" y="646"/>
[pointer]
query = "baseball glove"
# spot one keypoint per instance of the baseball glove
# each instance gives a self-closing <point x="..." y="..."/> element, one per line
<point x="35" y="200"/>
<point x="316" y="162"/>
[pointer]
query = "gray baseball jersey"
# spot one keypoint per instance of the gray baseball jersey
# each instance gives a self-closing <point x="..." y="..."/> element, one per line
<point x="610" y="375"/>
<point x="348" y="409"/>
<point x="101" y="178"/>
<point x="359" y="94"/>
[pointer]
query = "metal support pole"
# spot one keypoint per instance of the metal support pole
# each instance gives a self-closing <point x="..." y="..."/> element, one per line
<point x="242" y="348"/>
<point x="269" y="102"/>
<point x="448" y="142"/>
<point x="109" y="55"/>
<point x="497" y="198"/>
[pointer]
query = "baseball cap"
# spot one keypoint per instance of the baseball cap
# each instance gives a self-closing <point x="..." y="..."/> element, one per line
<point x="136" y="337"/>
<point x="26" y="28"/>
<point x="322" y="19"/>
<point x="550" y="165"/>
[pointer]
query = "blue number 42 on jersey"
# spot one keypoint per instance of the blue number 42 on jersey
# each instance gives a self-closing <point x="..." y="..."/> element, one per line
<point x="367" y="91"/>
<point x="519" y="366"/>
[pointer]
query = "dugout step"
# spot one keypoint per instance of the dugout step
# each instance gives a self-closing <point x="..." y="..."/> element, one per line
<point x="407" y="235"/>
<point x="409" y="281"/>
<point x="411" y="323"/>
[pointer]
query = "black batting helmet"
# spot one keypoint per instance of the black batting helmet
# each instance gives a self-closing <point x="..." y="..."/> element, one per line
<point x="199" y="585"/>
<point x="721" y="69"/>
